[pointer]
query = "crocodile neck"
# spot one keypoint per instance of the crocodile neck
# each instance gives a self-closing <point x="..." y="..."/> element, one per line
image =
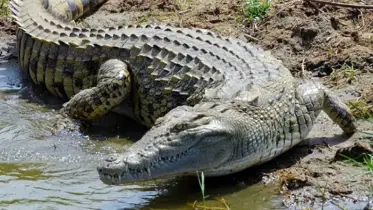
<point x="264" y="132"/>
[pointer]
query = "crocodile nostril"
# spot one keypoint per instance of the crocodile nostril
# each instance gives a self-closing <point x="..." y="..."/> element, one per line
<point x="111" y="159"/>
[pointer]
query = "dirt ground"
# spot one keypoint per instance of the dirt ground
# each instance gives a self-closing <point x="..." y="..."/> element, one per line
<point x="335" y="45"/>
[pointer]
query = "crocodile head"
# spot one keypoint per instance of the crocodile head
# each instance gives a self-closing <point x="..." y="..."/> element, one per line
<point x="180" y="143"/>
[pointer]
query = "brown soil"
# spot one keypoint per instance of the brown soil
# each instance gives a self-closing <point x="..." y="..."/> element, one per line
<point x="7" y="27"/>
<point x="330" y="40"/>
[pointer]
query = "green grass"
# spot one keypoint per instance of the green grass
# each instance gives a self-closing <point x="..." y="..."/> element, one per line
<point x="367" y="162"/>
<point x="201" y="181"/>
<point x="4" y="8"/>
<point x="347" y="73"/>
<point x="204" y="206"/>
<point x="367" y="159"/>
<point x="256" y="9"/>
<point x="361" y="109"/>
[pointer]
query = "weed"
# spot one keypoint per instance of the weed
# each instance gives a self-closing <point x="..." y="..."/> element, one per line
<point x="346" y="74"/>
<point x="367" y="158"/>
<point x="330" y="52"/>
<point x="256" y="9"/>
<point x="367" y="162"/>
<point x="361" y="109"/>
<point x="4" y="8"/>
<point x="196" y="206"/>
<point x="201" y="181"/>
<point x="349" y="72"/>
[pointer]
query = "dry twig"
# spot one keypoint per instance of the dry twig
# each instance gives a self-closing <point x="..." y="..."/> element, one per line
<point x="359" y="6"/>
<point x="251" y="37"/>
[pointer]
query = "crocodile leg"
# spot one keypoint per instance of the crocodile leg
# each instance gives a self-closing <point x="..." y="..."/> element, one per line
<point x="113" y="86"/>
<point x="316" y="97"/>
<point x="339" y="112"/>
<point x="71" y="10"/>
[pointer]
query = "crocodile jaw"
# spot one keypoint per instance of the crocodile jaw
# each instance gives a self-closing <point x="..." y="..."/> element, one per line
<point x="117" y="171"/>
<point x="180" y="145"/>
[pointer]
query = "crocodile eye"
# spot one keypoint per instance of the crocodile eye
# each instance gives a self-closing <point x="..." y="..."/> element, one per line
<point x="182" y="126"/>
<point x="179" y="127"/>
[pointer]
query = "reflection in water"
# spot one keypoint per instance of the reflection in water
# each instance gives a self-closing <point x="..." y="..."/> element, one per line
<point x="42" y="171"/>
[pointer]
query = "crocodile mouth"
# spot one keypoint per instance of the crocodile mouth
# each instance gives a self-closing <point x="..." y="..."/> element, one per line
<point x="172" y="149"/>
<point x="116" y="170"/>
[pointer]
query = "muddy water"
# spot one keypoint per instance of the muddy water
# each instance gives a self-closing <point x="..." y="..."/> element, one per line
<point x="39" y="170"/>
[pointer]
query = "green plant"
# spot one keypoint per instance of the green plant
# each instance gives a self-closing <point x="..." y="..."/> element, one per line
<point x="367" y="159"/>
<point x="256" y="9"/>
<point x="196" y="206"/>
<point x="4" y="8"/>
<point x="330" y="52"/>
<point x="347" y="73"/>
<point x="367" y="162"/>
<point x="201" y="181"/>
<point x="361" y="109"/>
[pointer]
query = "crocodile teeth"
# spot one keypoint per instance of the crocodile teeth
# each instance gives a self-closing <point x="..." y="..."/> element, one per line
<point x="126" y="167"/>
<point x="148" y="170"/>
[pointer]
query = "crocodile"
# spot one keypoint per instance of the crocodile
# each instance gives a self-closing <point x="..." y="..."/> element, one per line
<point x="212" y="103"/>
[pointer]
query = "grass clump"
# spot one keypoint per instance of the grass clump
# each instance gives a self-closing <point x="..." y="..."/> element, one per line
<point x="361" y="109"/>
<point x="367" y="161"/>
<point x="346" y="74"/>
<point x="256" y="9"/>
<point x="4" y="8"/>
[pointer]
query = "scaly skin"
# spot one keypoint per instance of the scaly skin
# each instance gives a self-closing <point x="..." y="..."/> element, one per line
<point x="214" y="104"/>
<point x="168" y="66"/>
<point x="224" y="137"/>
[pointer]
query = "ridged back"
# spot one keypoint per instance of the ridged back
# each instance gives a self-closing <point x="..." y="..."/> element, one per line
<point x="170" y="66"/>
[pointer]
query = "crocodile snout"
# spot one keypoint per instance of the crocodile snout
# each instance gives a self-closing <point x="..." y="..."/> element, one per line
<point x="110" y="170"/>
<point x="109" y="165"/>
<point x="111" y="159"/>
